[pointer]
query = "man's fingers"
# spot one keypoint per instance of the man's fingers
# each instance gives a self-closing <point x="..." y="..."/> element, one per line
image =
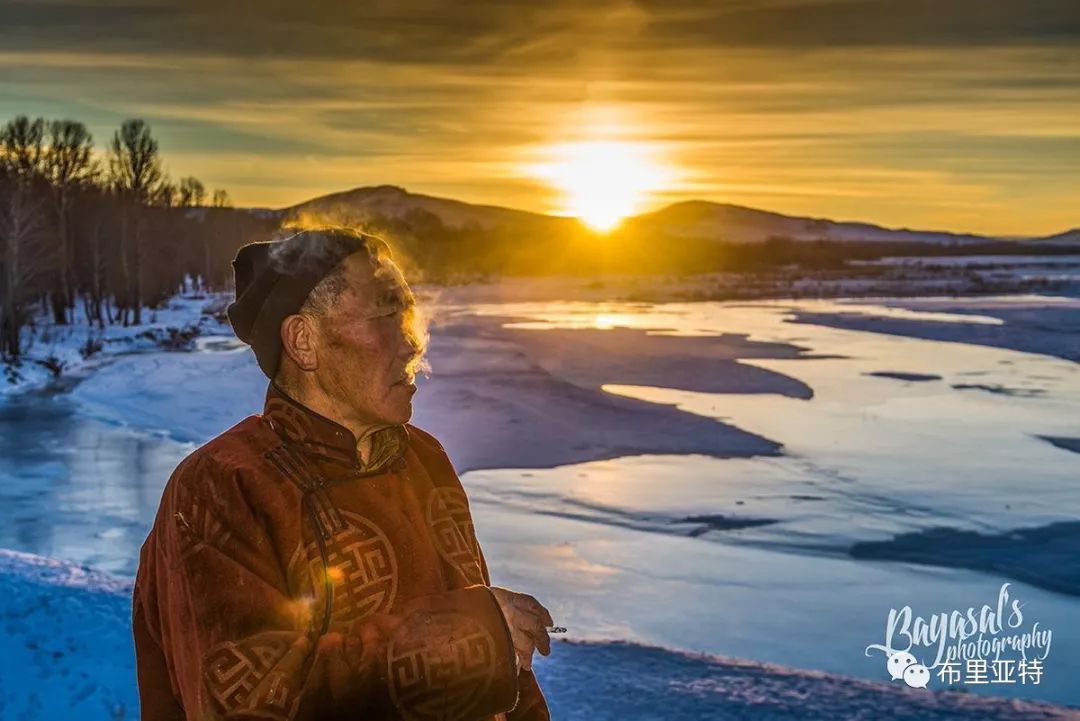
<point x="537" y="633"/>
<point x="543" y="641"/>
<point x="523" y="641"/>
<point x="524" y="649"/>
<point x="531" y="605"/>
<point x="528" y="620"/>
<point x="528" y="617"/>
<point x="544" y="645"/>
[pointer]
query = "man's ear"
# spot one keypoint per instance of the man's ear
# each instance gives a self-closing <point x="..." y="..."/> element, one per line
<point x="298" y="341"/>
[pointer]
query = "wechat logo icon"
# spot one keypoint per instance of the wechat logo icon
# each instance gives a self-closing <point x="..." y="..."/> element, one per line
<point x="903" y="666"/>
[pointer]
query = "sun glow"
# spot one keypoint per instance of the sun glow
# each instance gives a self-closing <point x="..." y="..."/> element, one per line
<point x="603" y="181"/>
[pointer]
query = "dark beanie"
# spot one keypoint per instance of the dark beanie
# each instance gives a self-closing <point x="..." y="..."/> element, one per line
<point x="273" y="279"/>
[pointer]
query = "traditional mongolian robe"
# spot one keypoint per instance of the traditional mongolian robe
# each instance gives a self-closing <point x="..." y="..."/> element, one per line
<point x="285" y="579"/>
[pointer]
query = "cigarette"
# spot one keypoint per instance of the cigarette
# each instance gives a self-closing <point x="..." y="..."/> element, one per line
<point x="555" y="629"/>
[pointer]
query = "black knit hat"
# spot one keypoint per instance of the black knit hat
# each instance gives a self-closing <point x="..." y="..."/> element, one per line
<point x="273" y="279"/>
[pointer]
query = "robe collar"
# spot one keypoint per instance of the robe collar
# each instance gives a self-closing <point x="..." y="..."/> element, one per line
<point x="320" y="436"/>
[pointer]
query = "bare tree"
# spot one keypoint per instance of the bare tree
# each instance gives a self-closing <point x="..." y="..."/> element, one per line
<point x="69" y="165"/>
<point x="192" y="192"/>
<point x="219" y="200"/>
<point x="22" y="223"/>
<point x="119" y="239"/>
<point x="22" y="144"/>
<point x="166" y="195"/>
<point x="136" y="173"/>
<point x="95" y="268"/>
<point x="23" y="258"/>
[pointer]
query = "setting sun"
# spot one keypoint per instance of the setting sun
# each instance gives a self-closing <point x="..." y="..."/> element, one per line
<point x="603" y="181"/>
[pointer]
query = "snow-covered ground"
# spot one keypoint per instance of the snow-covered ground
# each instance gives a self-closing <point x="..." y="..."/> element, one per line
<point x="686" y="476"/>
<point x="81" y="347"/>
<point x="68" y="656"/>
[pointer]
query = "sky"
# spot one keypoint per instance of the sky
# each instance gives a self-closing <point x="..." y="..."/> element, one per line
<point x="935" y="114"/>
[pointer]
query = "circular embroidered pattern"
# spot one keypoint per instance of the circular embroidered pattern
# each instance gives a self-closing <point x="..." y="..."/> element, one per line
<point x="452" y="529"/>
<point x="440" y="666"/>
<point x="360" y="564"/>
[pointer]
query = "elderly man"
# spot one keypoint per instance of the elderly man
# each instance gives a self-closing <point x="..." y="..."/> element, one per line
<point x="318" y="561"/>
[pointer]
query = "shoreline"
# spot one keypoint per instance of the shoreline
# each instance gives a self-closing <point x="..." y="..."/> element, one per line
<point x="176" y="317"/>
<point x="864" y="281"/>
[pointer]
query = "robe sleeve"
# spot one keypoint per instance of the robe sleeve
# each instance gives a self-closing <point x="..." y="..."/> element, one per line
<point x="531" y="705"/>
<point x="237" y="646"/>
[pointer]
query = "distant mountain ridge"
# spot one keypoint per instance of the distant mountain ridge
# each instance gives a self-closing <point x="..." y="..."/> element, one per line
<point x="739" y="224"/>
<point x="693" y="219"/>
<point x="392" y="202"/>
<point x="1068" y="238"/>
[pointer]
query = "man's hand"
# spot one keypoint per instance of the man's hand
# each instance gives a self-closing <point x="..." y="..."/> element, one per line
<point x="527" y="620"/>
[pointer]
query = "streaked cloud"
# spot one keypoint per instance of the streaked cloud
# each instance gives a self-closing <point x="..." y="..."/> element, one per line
<point x="958" y="115"/>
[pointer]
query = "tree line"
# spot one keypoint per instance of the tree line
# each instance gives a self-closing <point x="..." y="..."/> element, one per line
<point x="105" y="233"/>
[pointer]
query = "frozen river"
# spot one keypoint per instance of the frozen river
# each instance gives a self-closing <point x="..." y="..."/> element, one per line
<point x="867" y="456"/>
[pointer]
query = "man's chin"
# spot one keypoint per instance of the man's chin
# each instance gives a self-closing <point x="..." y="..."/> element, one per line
<point x="396" y="407"/>
<point x="402" y="414"/>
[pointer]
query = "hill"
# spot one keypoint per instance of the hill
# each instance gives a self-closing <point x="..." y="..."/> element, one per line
<point x="693" y="219"/>
<point x="389" y="202"/>
<point x="738" y="224"/>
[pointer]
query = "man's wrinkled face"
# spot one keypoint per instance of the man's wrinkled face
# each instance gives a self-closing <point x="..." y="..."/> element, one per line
<point x="367" y="346"/>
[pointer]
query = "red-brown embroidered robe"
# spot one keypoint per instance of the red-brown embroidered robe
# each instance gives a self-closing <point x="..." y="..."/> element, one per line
<point x="284" y="580"/>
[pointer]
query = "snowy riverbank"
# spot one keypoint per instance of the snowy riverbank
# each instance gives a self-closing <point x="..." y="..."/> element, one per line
<point x="68" y="655"/>
<point x="66" y="352"/>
